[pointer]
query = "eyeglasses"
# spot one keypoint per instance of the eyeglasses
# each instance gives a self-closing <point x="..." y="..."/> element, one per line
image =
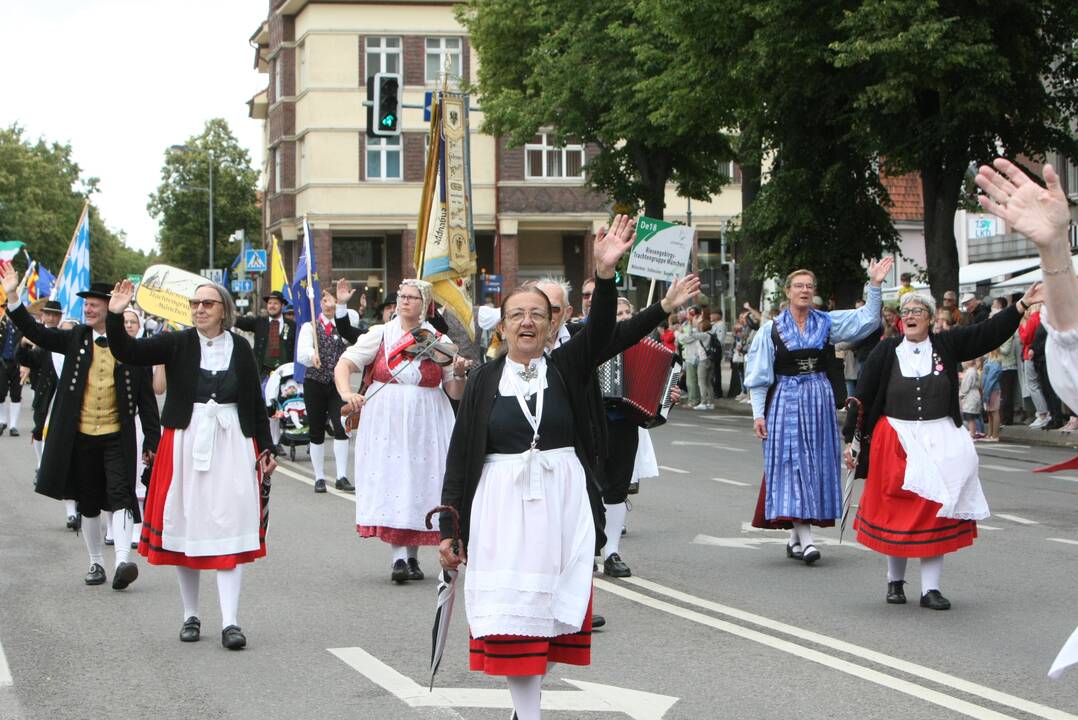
<point x="803" y="286"/>
<point x="585" y="295"/>
<point x="913" y="312"/>
<point x="417" y="298"/>
<point x="555" y="309"/>
<point x="517" y="316"/>
<point x="208" y="304"/>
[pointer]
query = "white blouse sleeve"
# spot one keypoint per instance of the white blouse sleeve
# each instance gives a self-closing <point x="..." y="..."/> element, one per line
<point x="1061" y="356"/>
<point x="305" y="344"/>
<point x="363" y="351"/>
<point x="447" y="370"/>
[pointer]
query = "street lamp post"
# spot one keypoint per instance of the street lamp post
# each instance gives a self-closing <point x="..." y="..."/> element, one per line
<point x="209" y="189"/>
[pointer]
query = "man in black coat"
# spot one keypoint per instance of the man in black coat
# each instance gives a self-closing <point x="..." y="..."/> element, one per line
<point x="42" y="374"/>
<point x="10" y="380"/>
<point x="90" y="449"/>
<point x="275" y="344"/>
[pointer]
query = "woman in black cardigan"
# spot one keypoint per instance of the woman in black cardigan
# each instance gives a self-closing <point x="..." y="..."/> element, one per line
<point x="203" y="508"/>
<point x="520" y="474"/>
<point x="922" y="495"/>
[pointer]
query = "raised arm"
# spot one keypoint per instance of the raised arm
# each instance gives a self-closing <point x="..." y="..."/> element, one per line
<point x="156" y="350"/>
<point x="972" y="341"/>
<point x="348" y="332"/>
<point x="854" y="325"/>
<point x="246" y="323"/>
<point x="629" y="332"/>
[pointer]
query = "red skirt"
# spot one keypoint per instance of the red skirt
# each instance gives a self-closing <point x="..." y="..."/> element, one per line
<point x="149" y="545"/>
<point x="897" y="522"/>
<point x="520" y="655"/>
<point x="395" y="536"/>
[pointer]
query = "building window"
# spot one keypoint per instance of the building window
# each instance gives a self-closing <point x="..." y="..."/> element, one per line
<point x="384" y="158"/>
<point x="301" y="61"/>
<point x="276" y="170"/>
<point x="1072" y="178"/>
<point x="442" y="50"/>
<point x="278" y="74"/>
<point x="362" y="260"/>
<point x="301" y="162"/>
<point x="383" y="55"/>
<point x="545" y="161"/>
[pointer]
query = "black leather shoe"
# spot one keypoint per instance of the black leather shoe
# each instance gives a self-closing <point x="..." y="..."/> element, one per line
<point x="13" y="432"/>
<point x="191" y="630"/>
<point x="3" y="427"/>
<point x="597" y="621"/>
<point x="400" y="572"/>
<point x="895" y="594"/>
<point x="134" y="545"/>
<point x="110" y="542"/>
<point x="343" y="485"/>
<point x="634" y="487"/>
<point x="126" y="572"/>
<point x="614" y="567"/>
<point x="319" y="486"/>
<point x="73" y="522"/>
<point x="233" y="638"/>
<point x="794" y="551"/>
<point x="414" y="573"/>
<point x="934" y="600"/>
<point x="810" y="555"/>
<point x="96" y="576"/>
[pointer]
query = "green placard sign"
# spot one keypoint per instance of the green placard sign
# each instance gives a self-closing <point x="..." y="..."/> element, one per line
<point x="662" y="250"/>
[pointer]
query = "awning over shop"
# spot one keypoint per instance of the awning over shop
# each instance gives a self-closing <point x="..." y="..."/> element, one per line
<point x="975" y="273"/>
<point x="1027" y="279"/>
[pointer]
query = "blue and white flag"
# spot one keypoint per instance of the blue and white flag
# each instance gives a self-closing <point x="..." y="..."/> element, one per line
<point x="306" y="294"/>
<point x="74" y="275"/>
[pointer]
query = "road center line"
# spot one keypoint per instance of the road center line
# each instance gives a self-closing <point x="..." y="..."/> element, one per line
<point x="684" y="424"/>
<point x="708" y="444"/>
<point x="1068" y="478"/>
<point x="309" y="480"/>
<point x="873" y="656"/>
<point x="5" y="669"/>
<point x="1065" y="541"/>
<point x="730" y="482"/>
<point x="875" y="676"/>
<point x="1016" y="519"/>
<point x="1001" y="468"/>
<point x="679" y="471"/>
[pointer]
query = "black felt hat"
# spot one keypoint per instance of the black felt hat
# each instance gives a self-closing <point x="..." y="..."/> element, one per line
<point x="391" y="299"/>
<point x="53" y="307"/>
<point x="99" y="290"/>
<point x="276" y="295"/>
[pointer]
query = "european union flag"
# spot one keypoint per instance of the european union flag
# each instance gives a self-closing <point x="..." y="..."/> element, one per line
<point x="306" y="294"/>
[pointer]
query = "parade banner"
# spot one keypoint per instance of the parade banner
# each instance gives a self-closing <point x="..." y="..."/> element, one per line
<point x="662" y="250"/>
<point x="278" y="276"/>
<point x="166" y="292"/>
<point x="445" y="240"/>
<point x="306" y="292"/>
<point x="9" y="249"/>
<point x="74" y="275"/>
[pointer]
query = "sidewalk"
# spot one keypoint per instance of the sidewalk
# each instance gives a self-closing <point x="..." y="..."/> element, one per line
<point x="1020" y="434"/>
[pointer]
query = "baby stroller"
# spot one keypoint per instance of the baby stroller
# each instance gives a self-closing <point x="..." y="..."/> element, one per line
<point x="284" y="396"/>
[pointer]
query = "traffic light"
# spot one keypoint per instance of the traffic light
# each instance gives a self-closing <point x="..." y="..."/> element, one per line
<point x="384" y="112"/>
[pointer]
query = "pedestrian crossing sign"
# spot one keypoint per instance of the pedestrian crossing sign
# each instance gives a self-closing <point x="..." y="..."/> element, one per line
<point x="256" y="260"/>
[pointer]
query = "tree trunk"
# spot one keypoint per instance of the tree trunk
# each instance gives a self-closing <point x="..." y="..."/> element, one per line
<point x="941" y="182"/>
<point x="747" y="287"/>
<point x="654" y="170"/>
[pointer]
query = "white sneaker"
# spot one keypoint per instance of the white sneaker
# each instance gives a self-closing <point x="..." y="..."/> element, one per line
<point x="701" y="406"/>
<point x="1039" y="422"/>
<point x="710" y="406"/>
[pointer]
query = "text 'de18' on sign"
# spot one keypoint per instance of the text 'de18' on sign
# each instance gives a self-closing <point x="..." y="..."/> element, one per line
<point x="662" y="250"/>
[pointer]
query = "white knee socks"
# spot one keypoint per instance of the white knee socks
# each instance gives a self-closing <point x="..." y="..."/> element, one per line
<point x="400" y="552"/>
<point x="413" y="552"/>
<point x="615" y="520"/>
<point x="931" y="570"/>
<point x="37" y="445"/>
<point x="91" y="535"/>
<point x="896" y="568"/>
<point x="340" y="457"/>
<point x="70" y="509"/>
<point x="318" y="461"/>
<point x="188" y="590"/>
<point x="526" y="691"/>
<point x="228" y="588"/>
<point x="275" y="430"/>
<point x="13" y="413"/>
<point x="804" y="533"/>
<point x="121" y="535"/>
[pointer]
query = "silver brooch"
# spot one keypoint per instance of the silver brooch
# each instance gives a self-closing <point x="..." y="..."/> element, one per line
<point x="529" y="373"/>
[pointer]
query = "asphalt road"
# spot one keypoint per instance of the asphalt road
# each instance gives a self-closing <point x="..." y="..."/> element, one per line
<point x="715" y="618"/>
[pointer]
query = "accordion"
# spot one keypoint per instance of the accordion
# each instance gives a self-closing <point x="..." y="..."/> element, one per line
<point x="637" y="382"/>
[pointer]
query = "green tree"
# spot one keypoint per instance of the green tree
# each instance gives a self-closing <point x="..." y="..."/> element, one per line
<point x="42" y="193"/>
<point x="599" y="73"/>
<point x="181" y="206"/>
<point x="944" y="81"/>
<point x="821" y="204"/>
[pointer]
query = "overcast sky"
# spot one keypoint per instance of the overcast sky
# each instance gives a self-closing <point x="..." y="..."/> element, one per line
<point x="121" y="80"/>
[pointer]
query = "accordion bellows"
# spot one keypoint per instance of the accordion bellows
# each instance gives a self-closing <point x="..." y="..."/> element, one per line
<point x="637" y="382"/>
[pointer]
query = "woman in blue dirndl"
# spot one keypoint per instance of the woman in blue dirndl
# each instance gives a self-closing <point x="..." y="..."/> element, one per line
<point x="793" y="408"/>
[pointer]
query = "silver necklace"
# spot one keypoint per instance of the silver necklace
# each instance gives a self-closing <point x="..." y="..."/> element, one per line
<point x="529" y="373"/>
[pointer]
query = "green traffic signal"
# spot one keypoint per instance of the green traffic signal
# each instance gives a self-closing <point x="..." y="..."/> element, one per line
<point x="389" y="121"/>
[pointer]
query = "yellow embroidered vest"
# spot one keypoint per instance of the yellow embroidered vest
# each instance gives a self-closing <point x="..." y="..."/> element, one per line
<point x="99" y="415"/>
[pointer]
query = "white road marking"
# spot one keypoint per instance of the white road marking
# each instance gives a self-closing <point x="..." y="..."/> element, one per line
<point x="679" y="471"/>
<point x="747" y="527"/>
<point x="707" y="444"/>
<point x="1062" y="540"/>
<point x="904" y="686"/>
<point x="1002" y="468"/>
<point x="1068" y="478"/>
<point x="5" y="669"/>
<point x="1016" y="519"/>
<point x="1002" y="448"/>
<point x="982" y="526"/>
<point x="727" y="417"/>
<point x="309" y="480"/>
<point x="724" y="429"/>
<point x="683" y="424"/>
<point x="750" y="543"/>
<point x="589" y="697"/>
<point x="730" y="482"/>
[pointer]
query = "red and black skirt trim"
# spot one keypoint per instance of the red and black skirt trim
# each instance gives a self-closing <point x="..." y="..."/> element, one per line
<point x="897" y="522"/>
<point x="520" y="655"/>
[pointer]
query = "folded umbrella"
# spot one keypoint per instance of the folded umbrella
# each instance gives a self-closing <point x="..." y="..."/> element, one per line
<point x="447" y="594"/>
<point x="848" y="472"/>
